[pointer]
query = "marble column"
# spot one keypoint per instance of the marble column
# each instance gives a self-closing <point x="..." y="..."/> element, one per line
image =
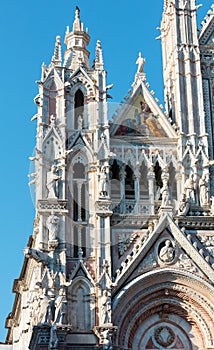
<point x="151" y="182"/>
<point x="122" y="190"/>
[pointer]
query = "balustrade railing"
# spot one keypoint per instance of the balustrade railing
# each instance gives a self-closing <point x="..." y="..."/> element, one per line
<point x="132" y="207"/>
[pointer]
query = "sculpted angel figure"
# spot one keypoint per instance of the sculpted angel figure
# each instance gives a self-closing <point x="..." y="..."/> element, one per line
<point x="60" y="304"/>
<point x="103" y="182"/>
<point x="204" y="190"/>
<point x="53" y="226"/>
<point x="52" y="179"/>
<point x="106" y="307"/>
<point x="189" y="189"/>
<point x="140" y="61"/>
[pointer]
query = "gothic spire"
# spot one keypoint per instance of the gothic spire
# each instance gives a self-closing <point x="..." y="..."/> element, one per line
<point x="57" y="57"/>
<point x="99" y="57"/>
<point x="77" y="23"/>
<point x="77" y="40"/>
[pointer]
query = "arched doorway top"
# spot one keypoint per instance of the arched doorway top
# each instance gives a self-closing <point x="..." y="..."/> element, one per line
<point x="165" y="298"/>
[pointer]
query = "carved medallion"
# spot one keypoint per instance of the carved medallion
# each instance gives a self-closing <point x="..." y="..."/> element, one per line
<point x="164" y="336"/>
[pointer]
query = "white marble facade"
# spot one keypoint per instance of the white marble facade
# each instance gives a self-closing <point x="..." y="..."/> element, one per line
<point x="122" y="253"/>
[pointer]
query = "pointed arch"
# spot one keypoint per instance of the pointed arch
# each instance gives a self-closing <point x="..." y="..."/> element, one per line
<point x="129" y="182"/>
<point x="158" y="180"/>
<point x="143" y="182"/>
<point x="52" y="145"/>
<point x="81" y="310"/>
<point x="78" y="198"/>
<point x="52" y="100"/>
<point x="78" y="109"/>
<point x="172" y="182"/>
<point x="53" y="89"/>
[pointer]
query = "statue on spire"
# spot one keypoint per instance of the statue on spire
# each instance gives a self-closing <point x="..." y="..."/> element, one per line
<point x="77" y="13"/>
<point x="140" y="61"/>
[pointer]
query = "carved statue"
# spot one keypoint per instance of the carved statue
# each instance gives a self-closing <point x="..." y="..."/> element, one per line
<point x="140" y="61"/>
<point x="50" y="312"/>
<point x="189" y="189"/>
<point x="35" y="305"/>
<point x="80" y="122"/>
<point x="106" y="307"/>
<point x="165" y="196"/>
<point x="52" y="120"/>
<point x="107" y="342"/>
<point x="36" y="255"/>
<point x="52" y="179"/>
<point x="43" y="310"/>
<point x="53" y="337"/>
<point x="60" y="305"/>
<point x="183" y="205"/>
<point x="204" y="190"/>
<point x="167" y="252"/>
<point x="103" y="182"/>
<point x="53" y="226"/>
<point x="212" y="206"/>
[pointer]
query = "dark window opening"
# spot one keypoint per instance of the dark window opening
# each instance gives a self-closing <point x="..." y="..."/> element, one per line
<point x="129" y="183"/>
<point x="144" y="186"/>
<point x="79" y="108"/>
<point x="158" y="181"/>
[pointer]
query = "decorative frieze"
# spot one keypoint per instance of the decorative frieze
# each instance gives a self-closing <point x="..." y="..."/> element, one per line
<point x="49" y="206"/>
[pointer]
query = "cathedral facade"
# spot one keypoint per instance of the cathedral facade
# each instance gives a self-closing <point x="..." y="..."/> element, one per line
<point x="122" y="251"/>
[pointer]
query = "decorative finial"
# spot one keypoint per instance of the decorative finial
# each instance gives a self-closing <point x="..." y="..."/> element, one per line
<point x="99" y="56"/>
<point x="77" y="13"/>
<point x="57" y="57"/>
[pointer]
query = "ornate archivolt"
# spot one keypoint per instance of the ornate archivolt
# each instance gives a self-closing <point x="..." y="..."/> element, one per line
<point x="181" y="305"/>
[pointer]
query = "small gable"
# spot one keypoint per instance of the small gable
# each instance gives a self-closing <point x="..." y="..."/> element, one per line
<point x="141" y="116"/>
<point x="166" y="247"/>
<point x="140" y="120"/>
<point x="166" y="252"/>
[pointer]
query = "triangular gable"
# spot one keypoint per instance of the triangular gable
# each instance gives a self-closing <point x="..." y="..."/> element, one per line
<point x="53" y="75"/>
<point x="180" y="259"/>
<point x="192" y="251"/>
<point x="142" y="116"/>
<point x="78" y="141"/>
<point x="52" y="131"/>
<point x="81" y="271"/>
<point x="84" y="73"/>
<point x="207" y="32"/>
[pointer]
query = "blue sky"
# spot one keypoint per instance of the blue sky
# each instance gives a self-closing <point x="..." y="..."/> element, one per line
<point x="28" y="30"/>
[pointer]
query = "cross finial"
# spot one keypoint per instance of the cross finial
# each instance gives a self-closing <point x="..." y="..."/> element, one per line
<point x="77" y="13"/>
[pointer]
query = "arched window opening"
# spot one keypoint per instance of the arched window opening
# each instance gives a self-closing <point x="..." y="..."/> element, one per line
<point x="79" y="241"/>
<point x="158" y="181"/>
<point x="79" y="307"/>
<point x="129" y="183"/>
<point x="144" y="186"/>
<point x="79" y="208"/>
<point x="75" y="242"/>
<point x="83" y="201"/>
<point x="115" y="181"/>
<point x="52" y="101"/>
<point x="79" y="171"/>
<point x="75" y="202"/>
<point x="79" y="109"/>
<point x="172" y="182"/>
<point x="79" y="193"/>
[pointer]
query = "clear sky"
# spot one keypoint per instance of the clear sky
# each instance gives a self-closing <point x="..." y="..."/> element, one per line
<point x="28" y="30"/>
